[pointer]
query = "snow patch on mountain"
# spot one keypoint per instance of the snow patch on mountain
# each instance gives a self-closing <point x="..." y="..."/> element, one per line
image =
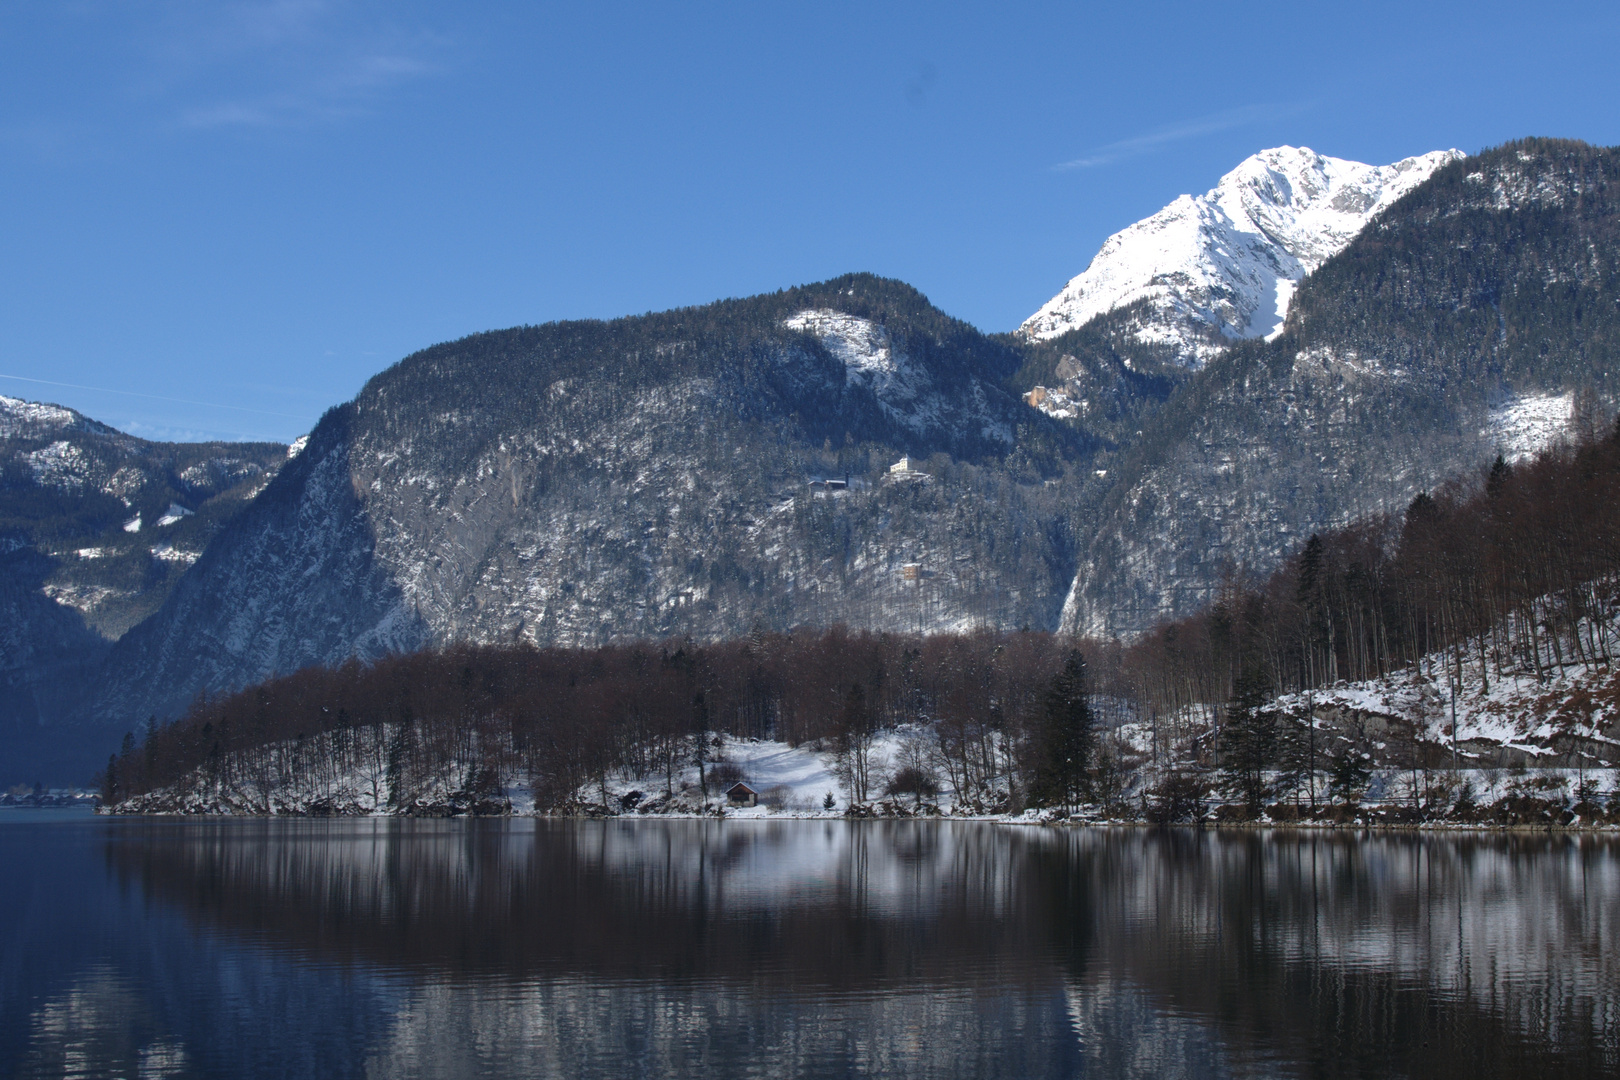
<point x="81" y="598"/>
<point x="167" y="552"/>
<point x="861" y="344"/>
<point x="59" y="465"/>
<point x="1527" y="424"/>
<point x="175" y="513"/>
<point x="1223" y="266"/>
<point x="904" y="390"/>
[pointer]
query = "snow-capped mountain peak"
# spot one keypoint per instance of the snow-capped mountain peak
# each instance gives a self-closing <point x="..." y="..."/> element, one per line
<point x="1222" y="266"/>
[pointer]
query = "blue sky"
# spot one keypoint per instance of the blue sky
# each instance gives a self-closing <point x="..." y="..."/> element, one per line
<point x="218" y="219"/>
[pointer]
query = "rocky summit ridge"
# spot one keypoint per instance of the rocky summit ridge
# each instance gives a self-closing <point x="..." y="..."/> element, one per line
<point x="1223" y="266"/>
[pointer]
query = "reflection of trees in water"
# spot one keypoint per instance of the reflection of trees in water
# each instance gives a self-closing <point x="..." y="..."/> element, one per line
<point x="612" y="949"/>
<point x="1468" y="956"/>
<point x="1477" y="956"/>
<point x="818" y="903"/>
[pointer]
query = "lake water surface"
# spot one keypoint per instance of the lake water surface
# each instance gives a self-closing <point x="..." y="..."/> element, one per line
<point x="646" y="948"/>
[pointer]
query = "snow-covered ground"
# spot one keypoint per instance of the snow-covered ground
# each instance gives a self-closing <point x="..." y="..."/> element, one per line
<point x="1518" y="731"/>
<point x="791" y="782"/>
<point x="796" y="779"/>
<point x="1526" y="425"/>
<point x="794" y="783"/>
<point x="1518" y="719"/>
<point x="904" y="389"/>
<point x="1497" y="708"/>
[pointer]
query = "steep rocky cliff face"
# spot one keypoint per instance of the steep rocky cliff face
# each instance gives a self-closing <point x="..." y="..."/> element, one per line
<point x="1479" y="314"/>
<point x="662" y="475"/>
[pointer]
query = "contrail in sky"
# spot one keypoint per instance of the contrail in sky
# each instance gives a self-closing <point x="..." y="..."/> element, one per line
<point x="1204" y="125"/>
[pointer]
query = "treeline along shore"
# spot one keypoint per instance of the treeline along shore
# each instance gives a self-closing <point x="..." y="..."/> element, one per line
<point x="1449" y="663"/>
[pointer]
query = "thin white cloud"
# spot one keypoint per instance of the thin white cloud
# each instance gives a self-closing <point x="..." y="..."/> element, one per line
<point x="169" y="433"/>
<point x="276" y="21"/>
<point x="271" y="63"/>
<point x="1147" y="142"/>
<point x="337" y="93"/>
<point x="333" y="88"/>
<point x="231" y="114"/>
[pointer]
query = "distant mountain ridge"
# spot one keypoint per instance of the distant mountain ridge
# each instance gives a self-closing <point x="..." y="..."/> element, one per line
<point x="96" y="527"/>
<point x="122" y="515"/>
<point x="21" y="419"/>
<point x="1220" y="267"/>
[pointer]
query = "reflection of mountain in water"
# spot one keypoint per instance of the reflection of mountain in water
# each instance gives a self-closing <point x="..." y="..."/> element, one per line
<point x="100" y="1025"/>
<point x="572" y="1028"/>
<point x="926" y="948"/>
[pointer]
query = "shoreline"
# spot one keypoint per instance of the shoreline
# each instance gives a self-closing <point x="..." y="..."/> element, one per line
<point x="1591" y="828"/>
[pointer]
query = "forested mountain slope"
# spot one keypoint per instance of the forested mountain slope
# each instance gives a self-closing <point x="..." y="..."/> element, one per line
<point x="1480" y="313"/>
<point x="1503" y="600"/>
<point x="96" y="526"/>
<point x="581" y="482"/>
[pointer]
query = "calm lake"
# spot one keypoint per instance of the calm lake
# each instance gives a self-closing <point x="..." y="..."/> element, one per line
<point x="384" y="948"/>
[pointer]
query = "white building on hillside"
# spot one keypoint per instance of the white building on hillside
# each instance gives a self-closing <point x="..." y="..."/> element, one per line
<point x="905" y="469"/>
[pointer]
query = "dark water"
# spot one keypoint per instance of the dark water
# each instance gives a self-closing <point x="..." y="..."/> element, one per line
<point x="652" y="949"/>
